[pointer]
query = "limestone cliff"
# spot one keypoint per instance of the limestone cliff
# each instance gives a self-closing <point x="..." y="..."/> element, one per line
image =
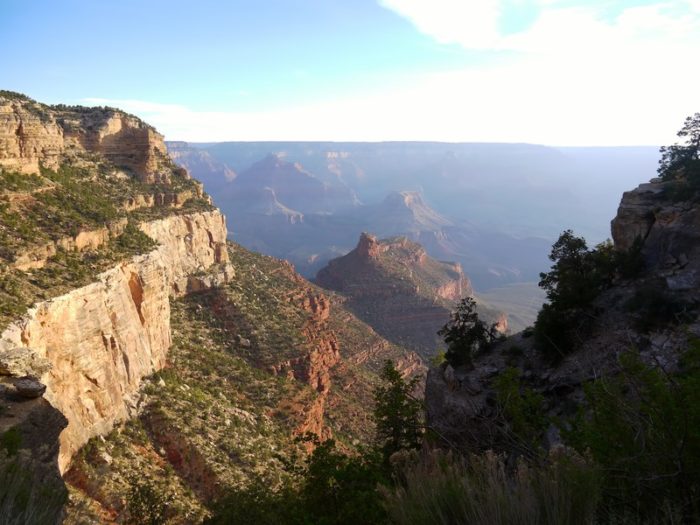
<point x="32" y="133"/>
<point x="98" y="230"/>
<point x="254" y="363"/>
<point x="102" y="339"/>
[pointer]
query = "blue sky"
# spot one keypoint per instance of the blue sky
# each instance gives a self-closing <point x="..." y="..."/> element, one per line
<point x="545" y="71"/>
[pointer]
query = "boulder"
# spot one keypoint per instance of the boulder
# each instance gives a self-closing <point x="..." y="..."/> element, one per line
<point x="30" y="388"/>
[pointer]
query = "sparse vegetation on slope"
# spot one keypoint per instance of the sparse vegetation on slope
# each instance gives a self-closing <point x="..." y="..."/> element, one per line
<point x="64" y="271"/>
<point x="224" y="413"/>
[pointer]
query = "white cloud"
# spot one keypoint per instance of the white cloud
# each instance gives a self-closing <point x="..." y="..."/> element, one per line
<point x="473" y="24"/>
<point x="575" y="79"/>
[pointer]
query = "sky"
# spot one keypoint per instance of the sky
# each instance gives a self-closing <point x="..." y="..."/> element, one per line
<point x="555" y="72"/>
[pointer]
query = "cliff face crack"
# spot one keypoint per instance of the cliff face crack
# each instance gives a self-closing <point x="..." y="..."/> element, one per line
<point x="136" y="288"/>
<point x="20" y="140"/>
<point x="651" y="222"/>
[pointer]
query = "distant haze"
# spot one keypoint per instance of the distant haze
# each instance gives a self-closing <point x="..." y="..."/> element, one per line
<point x="554" y="72"/>
<point x="495" y="208"/>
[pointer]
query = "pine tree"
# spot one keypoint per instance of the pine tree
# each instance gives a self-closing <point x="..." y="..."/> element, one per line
<point x="397" y="413"/>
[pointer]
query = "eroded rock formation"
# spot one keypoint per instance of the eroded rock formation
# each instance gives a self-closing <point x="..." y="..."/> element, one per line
<point x="668" y="229"/>
<point x="399" y="290"/>
<point x="102" y="339"/>
<point x="32" y="133"/>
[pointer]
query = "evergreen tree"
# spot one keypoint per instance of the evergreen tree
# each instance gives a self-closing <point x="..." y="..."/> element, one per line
<point x="397" y="413"/>
<point x="465" y="334"/>
<point x="681" y="162"/>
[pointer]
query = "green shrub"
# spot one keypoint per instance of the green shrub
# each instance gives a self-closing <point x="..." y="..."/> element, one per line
<point x="465" y="334"/>
<point x="438" y="358"/>
<point x="11" y="441"/>
<point x="559" y="332"/>
<point x="643" y="428"/>
<point x="133" y="240"/>
<point x="654" y="309"/>
<point x="578" y="276"/>
<point x="523" y="409"/>
<point x="680" y="163"/>
<point x="397" y="414"/>
<point x="14" y="181"/>
<point x="147" y="502"/>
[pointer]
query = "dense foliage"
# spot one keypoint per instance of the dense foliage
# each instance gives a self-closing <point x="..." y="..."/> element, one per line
<point x="680" y="163"/>
<point x="397" y="413"/>
<point x="577" y="277"/>
<point x="523" y="410"/>
<point x="643" y="428"/>
<point x="465" y="334"/>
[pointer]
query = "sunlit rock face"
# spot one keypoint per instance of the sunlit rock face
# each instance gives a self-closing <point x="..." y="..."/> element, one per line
<point x="100" y="340"/>
<point x="33" y="134"/>
<point x="397" y="288"/>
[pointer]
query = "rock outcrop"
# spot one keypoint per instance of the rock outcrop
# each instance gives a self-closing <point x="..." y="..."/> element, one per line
<point x="102" y="339"/>
<point x="32" y="133"/>
<point x="399" y="290"/>
<point x="664" y="233"/>
<point x="668" y="230"/>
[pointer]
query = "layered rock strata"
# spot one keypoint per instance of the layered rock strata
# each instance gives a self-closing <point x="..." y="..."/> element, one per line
<point x="102" y="339"/>
<point x="399" y="290"/>
<point x="668" y="231"/>
<point x="32" y="133"/>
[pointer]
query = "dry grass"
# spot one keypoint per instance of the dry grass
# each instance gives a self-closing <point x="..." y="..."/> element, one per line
<point x="440" y="488"/>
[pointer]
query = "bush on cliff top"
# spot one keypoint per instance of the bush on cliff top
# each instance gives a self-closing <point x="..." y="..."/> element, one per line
<point x="465" y="334"/>
<point x="680" y="163"/>
<point x="578" y="276"/>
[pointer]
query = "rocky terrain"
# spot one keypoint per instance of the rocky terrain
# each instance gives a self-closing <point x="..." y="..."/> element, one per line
<point x="654" y="313"/>
<point x="253" y="363"/>
<point x="398" y="289"/>
<point x="115" y="267"/>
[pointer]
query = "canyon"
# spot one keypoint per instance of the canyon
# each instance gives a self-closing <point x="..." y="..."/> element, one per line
<point x="125" y="310"/>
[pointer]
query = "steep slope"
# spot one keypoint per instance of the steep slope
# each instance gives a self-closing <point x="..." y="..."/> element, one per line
<point x="398" y="289"/>
<point x="254" y="363"/>
<point x="98" y="229"/>
<point x="652" y="315"/>
<point x="114" y="266"/>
